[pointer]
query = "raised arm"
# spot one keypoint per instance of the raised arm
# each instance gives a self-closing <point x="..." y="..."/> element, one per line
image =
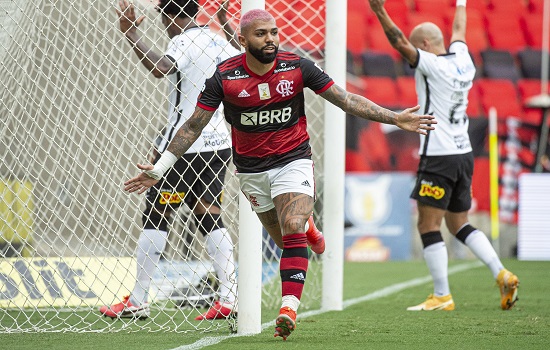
<point x="459" y="22"/>
<point x="157" y="64"/>
<point x="186" y="135"/>
<point x="364" y="108"/>
<point x="393" y="33"/>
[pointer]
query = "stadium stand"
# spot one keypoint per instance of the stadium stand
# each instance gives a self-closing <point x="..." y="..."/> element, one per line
<point x="530" y="62"/>
<point x="378" y="42"/>
<point x="382" y="90"/>
<point x="499" y="64"/>
<point x="504" y="38"/>
<point x="528" y="88"/>
<point x="536" y="6"/>
<point x="481" y="184"/>
<point x="378" y="64"/>
<point x="431" y="7"/>
<point x="531" y="24"/>
<point x="506" y="8"/>
<point x="406" y="91"/>
<point x="474" y="102"/>
<point x="499" y="32"/>
<point x="501" y="94"/>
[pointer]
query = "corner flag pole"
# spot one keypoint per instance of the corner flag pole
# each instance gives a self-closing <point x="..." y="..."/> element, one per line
<point x="493" y="178"/>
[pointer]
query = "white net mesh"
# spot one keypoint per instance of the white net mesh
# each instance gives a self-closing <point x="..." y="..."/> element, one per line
<point x="78" y="111"/>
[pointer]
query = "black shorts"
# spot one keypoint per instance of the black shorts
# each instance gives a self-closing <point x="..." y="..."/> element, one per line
<point x="445" y="182"/>
<point x="194" y="176"/>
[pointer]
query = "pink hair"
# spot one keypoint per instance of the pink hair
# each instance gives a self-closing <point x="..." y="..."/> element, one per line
<point x="255" y="15"/>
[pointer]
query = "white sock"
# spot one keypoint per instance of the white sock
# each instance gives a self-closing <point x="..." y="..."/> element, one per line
<point x="437" y="260"/>
<point x="291" y="301"/>
<point x="482" y="248"/>
<point x="220" y="248"/>
<point x="151" y="244"/>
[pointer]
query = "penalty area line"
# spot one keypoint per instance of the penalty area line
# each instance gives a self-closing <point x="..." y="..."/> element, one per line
<point x="381" y="293"/>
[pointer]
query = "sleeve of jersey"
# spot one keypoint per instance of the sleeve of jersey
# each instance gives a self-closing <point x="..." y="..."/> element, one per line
<point x="314" y="76"/>
<point x="458" y="46"/>
<point x="212" y="93"/>
<point x="426" y="62"/>
<point x="178" y="52"/>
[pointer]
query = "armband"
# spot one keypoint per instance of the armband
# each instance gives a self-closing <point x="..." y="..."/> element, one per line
<point x="165" y="162"/>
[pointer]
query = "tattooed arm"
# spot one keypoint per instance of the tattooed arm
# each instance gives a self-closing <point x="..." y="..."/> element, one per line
<point x="189" y="132"/>
<point x="182" y="141"/>
<point x="395" y="36"/>
<point x="364" y="108"/>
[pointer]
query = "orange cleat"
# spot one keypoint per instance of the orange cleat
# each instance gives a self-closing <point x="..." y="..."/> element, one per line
<point x="508" y="285"/>
<point x="285" y="323"/>
<point x="315" y="237"/>
<point x="216" y="312"/>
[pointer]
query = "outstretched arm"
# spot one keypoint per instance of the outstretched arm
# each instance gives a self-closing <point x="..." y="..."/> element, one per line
<point x="187" y="134"/>
<point x="393" y="33"/>
<point x="230" y="33"/>
<point x="364" y="108"/>
<point x="157" y="64"/>
<point x="459" y="22"/>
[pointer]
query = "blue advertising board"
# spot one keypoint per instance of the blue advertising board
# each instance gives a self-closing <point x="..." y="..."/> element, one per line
<point x="377" y="213"/>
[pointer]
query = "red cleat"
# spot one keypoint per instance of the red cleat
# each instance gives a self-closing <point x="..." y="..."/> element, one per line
<point x="285" y="323"/>
<point x="216" y="312"/>
<point x="126" y="309"/>
<point x="315" y="237"/>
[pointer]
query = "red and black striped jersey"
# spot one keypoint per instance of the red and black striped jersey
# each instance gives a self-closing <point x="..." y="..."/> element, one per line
<point x="266" y="113"/>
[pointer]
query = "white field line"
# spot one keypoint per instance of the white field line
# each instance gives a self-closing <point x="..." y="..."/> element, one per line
<point x="384" y="292"/>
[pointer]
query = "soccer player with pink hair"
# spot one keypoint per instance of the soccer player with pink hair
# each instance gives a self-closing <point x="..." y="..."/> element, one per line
<point x="262" y="91"/>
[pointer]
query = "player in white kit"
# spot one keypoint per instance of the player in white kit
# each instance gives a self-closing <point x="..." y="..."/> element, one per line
<point x="197" y="178"/>
<point x="444" y="178"/>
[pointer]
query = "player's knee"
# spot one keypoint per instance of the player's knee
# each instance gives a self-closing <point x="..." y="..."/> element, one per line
<point x="209" y="222"/>
<point x="152" y="219"/>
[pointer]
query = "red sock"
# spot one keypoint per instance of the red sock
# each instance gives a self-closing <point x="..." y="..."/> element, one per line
<point x="294" y="264"/>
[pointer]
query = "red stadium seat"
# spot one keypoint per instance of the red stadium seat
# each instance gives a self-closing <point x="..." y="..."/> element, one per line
<point x="528" y="88"/>
<point x="480" y="5"/>
<point x="474" y="102"/>
<point x="501" y="94"/>
<point x="406" y="91"/>
<point x="378" y="41"/>
<point x="356" y="162"/>
<point x="431" y="7"/>
<point x="474" y="18"/>
<point x="500" y="33"/>
<point x="532" y="27"/>
<point x="382" y="91"/>
<point x="536" y="6"/>
<point x="481" y="183"/>
<point x="477" y="41"/>
<point x="373" y="146"/>
<point x="398" y="11"/>
<point x="357" y="33"/>
<point x="508" y="7"/>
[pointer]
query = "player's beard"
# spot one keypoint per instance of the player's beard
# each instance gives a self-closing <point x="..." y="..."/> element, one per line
<point x="263" y="57"/>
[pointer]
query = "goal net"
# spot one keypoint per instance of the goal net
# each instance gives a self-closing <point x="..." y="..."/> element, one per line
<point x="78" y="111"/>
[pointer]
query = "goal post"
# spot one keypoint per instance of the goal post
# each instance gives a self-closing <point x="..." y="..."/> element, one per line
<point x="78" y="111"/>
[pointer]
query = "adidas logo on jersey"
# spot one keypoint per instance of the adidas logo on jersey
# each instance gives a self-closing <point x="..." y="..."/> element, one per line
<point x="299" y="276"/>
<point x="306" y="183"/>
<point x="243" y="94"/>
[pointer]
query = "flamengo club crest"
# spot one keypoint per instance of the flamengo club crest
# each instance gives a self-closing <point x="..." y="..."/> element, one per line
<point x="285" y="88"/>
